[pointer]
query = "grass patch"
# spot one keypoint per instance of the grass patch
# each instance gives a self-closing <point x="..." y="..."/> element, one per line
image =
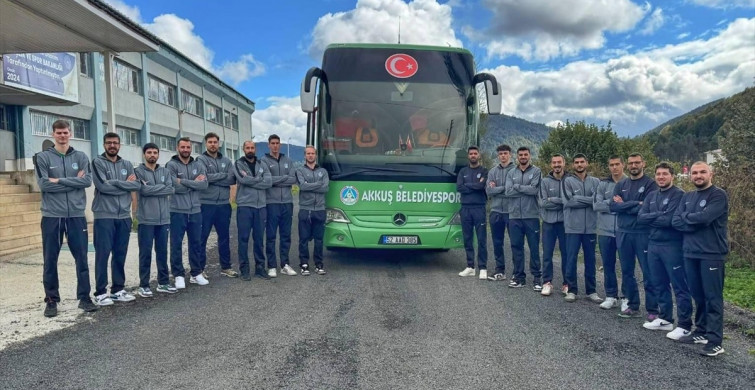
<point x="739" y="286"/>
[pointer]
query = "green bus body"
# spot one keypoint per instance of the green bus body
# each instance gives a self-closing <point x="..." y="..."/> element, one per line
<point x="392" y="124"/>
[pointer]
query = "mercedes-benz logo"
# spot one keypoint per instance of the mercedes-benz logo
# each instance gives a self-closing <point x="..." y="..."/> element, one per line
<point x="399" y="219"/>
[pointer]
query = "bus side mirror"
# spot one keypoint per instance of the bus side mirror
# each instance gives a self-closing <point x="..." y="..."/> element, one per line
<point x="492" y="91"/>
<point x="308" y="88"/>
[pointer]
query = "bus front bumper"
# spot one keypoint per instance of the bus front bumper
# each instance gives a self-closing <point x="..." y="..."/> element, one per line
<point x="346" y="235"/>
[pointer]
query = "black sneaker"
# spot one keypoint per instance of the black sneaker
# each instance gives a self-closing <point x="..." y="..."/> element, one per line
<point x="516" y="284"/>
<point x="87" y="305"/>
<point x="246" y="277"/>
<point x="305" y="270"/>
<point x="51" y="309"/>
<point x="499" y="277"/>
<point x="261" y="273"/>
<point x="320" y="270"/>
<point x="693" y="339"/>
<point x="711" y="349"/>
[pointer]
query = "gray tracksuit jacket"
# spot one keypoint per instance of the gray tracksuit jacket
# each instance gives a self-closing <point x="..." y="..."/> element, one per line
<point x="253" y="179"/>
<point x="283" y="175"/>
<point x="185" y="200"/>
<point x="606" y="225"/>
<point x="112" y="190"/>
<point x="499" y="203"/>
<point x="66" y="198"/>
<point x="313" y="185"/>
<point x="157" y="186"/>
<point x="579" y="217"/>
<point x="523" y="189"/>
<point x="220" y="178"/>
<point x="551" y="204"/>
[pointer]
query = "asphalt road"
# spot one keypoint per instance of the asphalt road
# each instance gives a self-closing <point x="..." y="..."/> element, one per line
<point x="377" y="320"/>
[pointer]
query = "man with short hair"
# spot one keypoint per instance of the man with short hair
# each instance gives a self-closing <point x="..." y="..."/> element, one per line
<point x="470" y="183"/>
<point x="499" y="208"/>
<point x="114" y="180"/>
<point x="313" y="185"/>
<point x="665" y="255"/>
<point x="632" y="238"/>
<point x="523" y="189"/>
<point x="702" y="216"/>
<point x="153" y="214"/>
<point x="606" y="229"/>
<point x="253" y="178"/>
<point x="62" y="175"/>
<point x="579" y="225"/>
<point x="552" y="214"/>
<point x="280" y="206"/>
<point x="189" y="179"/>
<point x="216" y="203"/>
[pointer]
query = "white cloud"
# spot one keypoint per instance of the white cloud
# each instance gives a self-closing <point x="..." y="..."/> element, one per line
<point x="653" y="22"/>
<point x="544" y="29"/>
<point x="637" y="90"/>
<point x="179" y="33"/>
<point x="725" y="4"/>
<point x="377" y="21"/>
<point x="682" y="36"/>
<point x="283" y="117"/>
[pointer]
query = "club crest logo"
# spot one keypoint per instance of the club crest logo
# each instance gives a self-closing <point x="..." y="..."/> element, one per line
<point x="349" y="195"/>
<point x="194" y="172"/>
<point x="75" y="166"/>
<point x="641" y="190"/>
<point x="222" y="165"/>
<point x="162" y="178"/>
<point x="285" y="165"/>
<point x="665" y="201"/>
<point x="703" y="203"/>
<point x="124" y="171"/>
<point x="479" y="175"/>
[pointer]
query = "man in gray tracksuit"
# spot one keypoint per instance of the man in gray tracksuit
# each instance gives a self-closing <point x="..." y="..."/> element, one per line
<point x="189" y="179"/>
<point x="253" y="178"/>
<point x="552" y="213"/>
<point x="579" y="224"/>
<point x="153" y="214"/>
<point x="313" y="185"/>
<point x="62" y="175"/>
<point x="280" y="206"/>
<point x="216" y="203"/>
<point x="606" y="229"/>
<point x="499" y="208"/>
<point x="523" y="189"/>
<point x="114" y="180"/>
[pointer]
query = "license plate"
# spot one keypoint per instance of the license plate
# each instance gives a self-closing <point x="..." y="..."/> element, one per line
<point x="399" y="240"/>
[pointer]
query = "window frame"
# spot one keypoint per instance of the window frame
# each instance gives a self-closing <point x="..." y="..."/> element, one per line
<point x="158" y="95"/>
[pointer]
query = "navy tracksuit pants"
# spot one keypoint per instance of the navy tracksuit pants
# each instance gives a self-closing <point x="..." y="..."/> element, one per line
<point x="250" y="220"/>
<point x="573" y="243"/>
<point x="219" y="216"/>
<point x="473" y="222"/>
<point x="631" y="246"/>
<point x="111" y="236"/>
<point x="706" y="283"/>
<point x="667" y="271"/>
<point x="518" y="230"/>
<point x="279" y="219"/>
<point x="608" y="258"/>
<point x="498" y="224"/>
<point x="147" y="235"/>
<point x="191" y="225"/>
<point x="551" y="233"/>
<point x="311" y="227"/>
<point x="53" y="230"/>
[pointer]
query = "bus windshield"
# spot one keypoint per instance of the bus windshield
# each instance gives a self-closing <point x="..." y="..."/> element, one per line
<point x="377" y="127"/>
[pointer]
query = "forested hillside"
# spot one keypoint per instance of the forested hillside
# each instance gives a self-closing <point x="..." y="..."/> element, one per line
<point x="515" y="132"/>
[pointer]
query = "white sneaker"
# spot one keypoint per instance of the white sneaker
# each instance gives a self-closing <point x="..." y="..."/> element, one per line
<point x="287" y="270"/>
<point x="180" y="282"/>
<point x="624" y="304"/>
<point x="467" y="272"/>
<point x="272" y="273"/>
<point x="199" y="279"/>
<point x="103" y="300"/>
<point x="658" y="324"/>
<point x="483" y="274"/>
<point x="677" y="333"/>
<point x="609" y="303"/>
<point x="122" y="296"/>
<point x="595" y="298"/>
<point x="547" y="289"/>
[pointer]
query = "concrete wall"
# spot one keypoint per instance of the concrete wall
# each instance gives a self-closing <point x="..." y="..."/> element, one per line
<point x="7" y="151"/>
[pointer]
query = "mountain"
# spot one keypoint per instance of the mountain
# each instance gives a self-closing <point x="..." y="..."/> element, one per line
<point x="513" y="131"/>
<point x="688" y="137"/>
<point x="296" y="153"/>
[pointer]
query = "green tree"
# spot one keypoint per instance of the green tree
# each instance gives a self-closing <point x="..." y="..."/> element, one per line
<point x="569" y="139"/>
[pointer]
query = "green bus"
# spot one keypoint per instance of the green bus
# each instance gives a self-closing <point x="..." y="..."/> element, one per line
<point x="392" y="124"/>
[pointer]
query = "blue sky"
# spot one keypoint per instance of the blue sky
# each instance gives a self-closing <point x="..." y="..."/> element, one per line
<point x="636" y="64"/>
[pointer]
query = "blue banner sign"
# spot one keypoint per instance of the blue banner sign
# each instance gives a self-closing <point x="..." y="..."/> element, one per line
<point x="52" y="74"/>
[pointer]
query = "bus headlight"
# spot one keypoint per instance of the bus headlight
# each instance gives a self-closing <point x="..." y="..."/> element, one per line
<point x="455" y="220"/>
<point x="336" y="215"/>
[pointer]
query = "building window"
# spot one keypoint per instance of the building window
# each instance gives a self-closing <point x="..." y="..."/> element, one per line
<point x="162" y="92"/>
<point x="128" y="136"/>
<point x="41" y="124"/>
<point x="191" y="103"/>
<point x="85" y="64"/>
<point x="125" y="77"/>
<point x="164" y="142"/>
<point x="213" y="113"/>
<point x="232" y="154"/>
<point x="3" y="118"/>
<point x="196" y="147"/>
<point x="230" y="119"/>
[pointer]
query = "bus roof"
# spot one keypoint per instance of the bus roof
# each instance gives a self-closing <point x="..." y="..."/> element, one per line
<point x="397" y="46"/>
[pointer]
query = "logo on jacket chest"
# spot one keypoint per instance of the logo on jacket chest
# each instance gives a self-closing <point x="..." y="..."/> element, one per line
<point x="124" y="171"/>
<point x="703" y="203"/>
<point x="194" y="171"/>
<point x="641" y="190"/>
<point x="75" y="165"/>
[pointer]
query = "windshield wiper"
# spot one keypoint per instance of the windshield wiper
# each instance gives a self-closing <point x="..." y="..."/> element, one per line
<point x="366" y="170"/>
